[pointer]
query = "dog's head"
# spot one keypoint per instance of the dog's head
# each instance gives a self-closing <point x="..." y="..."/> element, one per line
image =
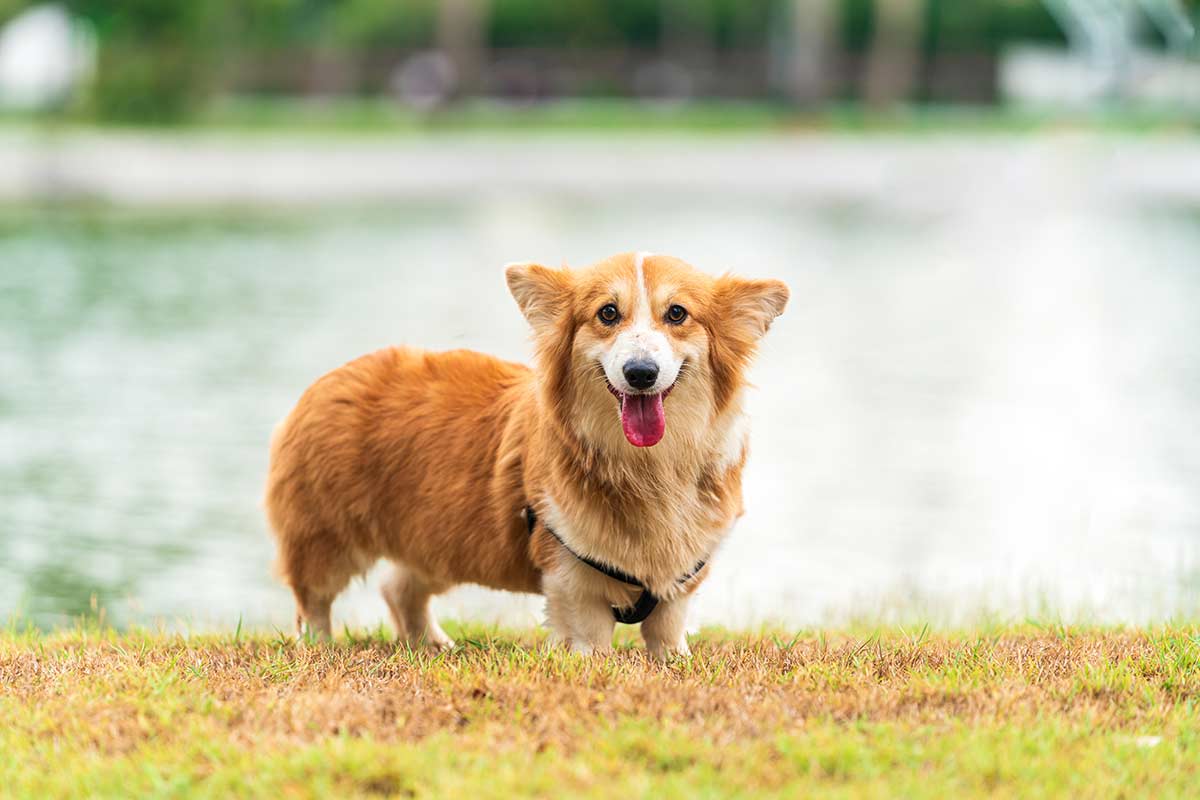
<point x="617" y="339"/>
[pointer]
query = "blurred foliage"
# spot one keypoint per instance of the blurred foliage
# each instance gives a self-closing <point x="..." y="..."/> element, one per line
<point x="375" y="24"/>
<point x="957" y="26"/>
<point x="161" y="59"/>
<point x="155" y="60"/>
<point x="963" y="24"/>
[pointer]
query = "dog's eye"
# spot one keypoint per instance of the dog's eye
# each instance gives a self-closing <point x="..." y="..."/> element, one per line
<point x="676" y="314"/>
<point x="609" y="314"/>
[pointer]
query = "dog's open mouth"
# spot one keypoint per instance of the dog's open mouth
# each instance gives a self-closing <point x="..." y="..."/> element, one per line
<point x="643" y="419"/>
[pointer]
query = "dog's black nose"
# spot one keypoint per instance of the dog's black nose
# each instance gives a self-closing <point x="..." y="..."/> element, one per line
<point x="641" y="373"/>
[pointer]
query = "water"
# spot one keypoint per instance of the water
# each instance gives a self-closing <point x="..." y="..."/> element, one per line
<point x="987" y="403"/>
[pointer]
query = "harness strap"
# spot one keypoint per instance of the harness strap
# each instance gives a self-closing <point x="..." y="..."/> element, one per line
<point x="647" y="601"/>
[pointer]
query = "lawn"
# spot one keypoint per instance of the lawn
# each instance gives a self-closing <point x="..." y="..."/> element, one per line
<point x="1012" y="711"/>
<point x="387" y="118"/>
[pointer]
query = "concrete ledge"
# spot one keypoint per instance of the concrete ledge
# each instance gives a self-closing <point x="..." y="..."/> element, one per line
<point x="139" y="169"/>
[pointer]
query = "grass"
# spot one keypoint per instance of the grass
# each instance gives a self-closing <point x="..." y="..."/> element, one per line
<point x="617" y="116"/>
<point x="1008" y="711"/>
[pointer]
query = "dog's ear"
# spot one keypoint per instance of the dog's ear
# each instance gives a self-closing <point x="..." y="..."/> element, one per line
<point x="750" y="305"/>
<point x="543" y="293"/>
<point x="742" y="312"/>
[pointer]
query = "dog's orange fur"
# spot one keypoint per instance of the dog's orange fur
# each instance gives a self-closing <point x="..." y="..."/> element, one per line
<point x="429" y="459"/>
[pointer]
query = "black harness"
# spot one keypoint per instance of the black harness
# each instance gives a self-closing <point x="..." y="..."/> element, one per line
<point x="647" y="601"/>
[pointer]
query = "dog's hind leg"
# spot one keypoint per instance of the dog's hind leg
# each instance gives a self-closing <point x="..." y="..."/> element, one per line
<point x="317" y="568"/>
<point x="312" y="614"/>
<point x="407" y="593"/>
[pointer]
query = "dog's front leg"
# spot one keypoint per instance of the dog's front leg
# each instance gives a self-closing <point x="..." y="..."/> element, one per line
<point x="665" y="630"/>
<point x="576" y="609"/>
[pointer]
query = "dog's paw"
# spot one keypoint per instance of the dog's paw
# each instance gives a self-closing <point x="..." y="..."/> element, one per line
<point x="580" y="647"/>
<point x="444" y="644"/>
<point x="666" y="653"/>
<point x="435" y="640"/>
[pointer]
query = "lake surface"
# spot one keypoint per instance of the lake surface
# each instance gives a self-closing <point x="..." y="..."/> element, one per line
<point x="987" y="403"/>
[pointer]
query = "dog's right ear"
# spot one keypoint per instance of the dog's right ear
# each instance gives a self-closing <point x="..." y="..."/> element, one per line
<point x="543" y="293"/>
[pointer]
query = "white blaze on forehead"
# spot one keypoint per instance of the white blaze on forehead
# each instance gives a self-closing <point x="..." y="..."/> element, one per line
<point x="642" y="309"/>
<point x="641" y="340"/>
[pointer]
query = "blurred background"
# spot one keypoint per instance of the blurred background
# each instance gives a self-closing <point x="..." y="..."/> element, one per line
<point x="982" y="401"/>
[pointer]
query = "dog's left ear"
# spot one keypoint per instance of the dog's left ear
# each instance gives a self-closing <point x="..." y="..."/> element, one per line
<point x="750" y="305"/>
<point x="542" y="293"/>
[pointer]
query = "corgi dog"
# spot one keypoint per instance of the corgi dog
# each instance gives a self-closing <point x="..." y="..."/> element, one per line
<point x="603" y="478"/>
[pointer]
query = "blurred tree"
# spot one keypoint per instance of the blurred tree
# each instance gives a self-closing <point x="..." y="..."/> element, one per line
<point x="687" y="51"/>
<point x="10" y="8"/>
<point x="372" y="24"/>
<point x="156" y="57"/>
<point x="160" y="60"/>
<point x="803" y="52"/>
<point x="687" y="30"/>
<point x="893" y="58"/>
<point x="461" y="34"/>
<point x="570" y="23"/>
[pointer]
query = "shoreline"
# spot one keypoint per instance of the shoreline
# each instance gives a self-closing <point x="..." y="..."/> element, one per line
<point x="199" y="169"/>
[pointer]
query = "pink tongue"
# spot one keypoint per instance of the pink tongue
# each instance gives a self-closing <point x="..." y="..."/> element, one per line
<point x="643" y="419"/>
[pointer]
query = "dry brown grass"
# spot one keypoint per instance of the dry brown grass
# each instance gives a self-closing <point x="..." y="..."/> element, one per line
<point x="114" y="696"/>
